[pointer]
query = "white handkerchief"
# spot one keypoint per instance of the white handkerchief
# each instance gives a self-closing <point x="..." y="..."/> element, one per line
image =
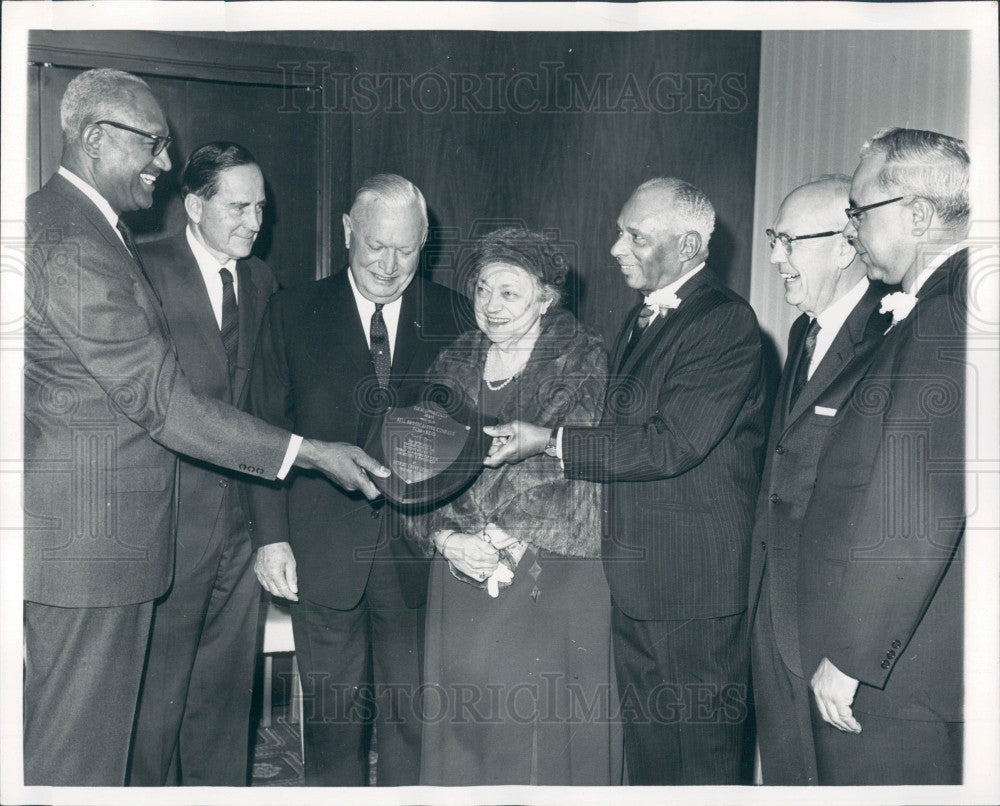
<point x="826" y="412"/>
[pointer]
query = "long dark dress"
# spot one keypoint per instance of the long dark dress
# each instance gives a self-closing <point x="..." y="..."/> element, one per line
<point x="520" y="689"/>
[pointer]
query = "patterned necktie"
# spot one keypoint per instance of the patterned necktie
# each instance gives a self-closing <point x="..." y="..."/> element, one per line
<point x="645" y="317"/>
<point x="126" y="234"/>
<point x="381" y="356"/>
<point x="805" y="360"/>
<point x="230" y="329"/>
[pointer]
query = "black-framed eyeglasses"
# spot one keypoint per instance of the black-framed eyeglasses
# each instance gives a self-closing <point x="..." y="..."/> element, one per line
<point x="786" y="240"/>
<point x="159" y="142"/>
<point x="854" y="214"/>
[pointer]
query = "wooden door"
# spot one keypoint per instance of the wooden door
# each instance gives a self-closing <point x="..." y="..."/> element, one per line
<point x="214" y="89"/>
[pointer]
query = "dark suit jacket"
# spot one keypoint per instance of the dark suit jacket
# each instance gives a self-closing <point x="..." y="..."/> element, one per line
<point x="174" y="273"/>
<point x="105" y="403"/>
<point x="680" y="443"/>
<point x="313" y="374"/>
<point x="880" y="589"/>
<point x="795" y="441"/>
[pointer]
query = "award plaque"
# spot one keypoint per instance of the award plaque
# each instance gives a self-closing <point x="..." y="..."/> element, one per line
<point x="431" y="454"/>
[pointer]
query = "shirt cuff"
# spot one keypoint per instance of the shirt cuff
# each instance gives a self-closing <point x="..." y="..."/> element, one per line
<point x="291" y="454"/>
<point x="559" y="456"/>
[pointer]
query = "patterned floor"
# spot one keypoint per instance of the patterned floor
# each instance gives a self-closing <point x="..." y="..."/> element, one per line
<point x="277" y="760"/>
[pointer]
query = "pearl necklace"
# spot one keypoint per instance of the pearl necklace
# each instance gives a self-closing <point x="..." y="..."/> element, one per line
<point x="486" y="372"/>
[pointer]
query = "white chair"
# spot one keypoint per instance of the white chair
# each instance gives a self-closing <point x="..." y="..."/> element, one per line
<point x="278" y="638"/>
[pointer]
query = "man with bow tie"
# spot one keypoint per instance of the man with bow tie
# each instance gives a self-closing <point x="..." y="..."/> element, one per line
<point x="679" y="447"/>
<point x="193" y="719"/>
<point x="829" y="347"/>
<point x="330" y="352"/>
<point x="881" y="571"/>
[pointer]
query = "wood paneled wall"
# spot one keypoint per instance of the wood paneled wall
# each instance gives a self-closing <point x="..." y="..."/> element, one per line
<point x="555" y="130"/>
<point x="822" y="94"/>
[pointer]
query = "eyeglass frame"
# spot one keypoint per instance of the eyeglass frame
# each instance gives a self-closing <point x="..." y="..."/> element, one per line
<point x="786" y="240"/>
<point x="160" y="143"/>
<point x="854" y="212"/>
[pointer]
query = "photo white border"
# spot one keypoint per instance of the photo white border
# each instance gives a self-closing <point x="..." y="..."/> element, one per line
<point x="983" y="553"/>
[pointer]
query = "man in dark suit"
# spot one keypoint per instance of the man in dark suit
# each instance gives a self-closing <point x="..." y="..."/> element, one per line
<point x="881" y="579"/>
<point x="680" y="447"/>
<point x="106" y="407"/>
<point x="330" y="352"/>
<point x="829" y="347"/>
<point x="192" y="723"/>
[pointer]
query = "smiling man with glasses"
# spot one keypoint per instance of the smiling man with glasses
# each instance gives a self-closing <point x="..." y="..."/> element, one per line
<point x="107" y="408"/>
<point x="159" y="142"/>
<point x="829" y="347"/>
<point x="880" y="586"/>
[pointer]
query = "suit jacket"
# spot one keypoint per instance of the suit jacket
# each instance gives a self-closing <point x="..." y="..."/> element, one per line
<point x="880" y="588"/>
<point x="105" y="404"/>
<point x="313" y="374"/>
<point x="174" y="273"/>
<point x="680" y="443"/>
<point x="795" y="440"/>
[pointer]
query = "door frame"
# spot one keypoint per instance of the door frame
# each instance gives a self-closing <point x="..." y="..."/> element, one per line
<point x="232" y="61"/>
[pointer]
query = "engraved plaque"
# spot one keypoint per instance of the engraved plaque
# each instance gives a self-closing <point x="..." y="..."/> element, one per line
<point x="430" y="453"/>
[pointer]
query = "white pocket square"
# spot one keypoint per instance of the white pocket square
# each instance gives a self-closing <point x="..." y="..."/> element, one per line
<point x="824" y="411"/>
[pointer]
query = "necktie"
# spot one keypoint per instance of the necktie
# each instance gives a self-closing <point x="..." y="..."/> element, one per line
<point x="645" y="317"/>
<point x="802" y="370"/>
<point x="126" y="234"/>
<point x="230" y="329"/>
<point x="381" y="356"/>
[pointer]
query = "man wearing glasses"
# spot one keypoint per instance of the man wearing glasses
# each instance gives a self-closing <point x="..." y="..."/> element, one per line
<point x="107" y="408"/>
<point x="880" y="586"/>
<point x="829" y="348"/>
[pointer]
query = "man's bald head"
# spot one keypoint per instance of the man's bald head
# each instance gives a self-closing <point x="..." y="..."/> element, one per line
<point x="816" y="271"/>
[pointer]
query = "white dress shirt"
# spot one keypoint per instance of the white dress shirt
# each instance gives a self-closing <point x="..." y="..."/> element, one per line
<point x="92" y="194"/>
<point x="657" y="298"/>
<point x="936" y="263"/>
<point x="210" y="265"/>
<point x="832" y="319"/>
<point x="366" y="309"/>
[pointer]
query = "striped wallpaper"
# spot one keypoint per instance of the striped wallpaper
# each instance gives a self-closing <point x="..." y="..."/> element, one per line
<point x="822" y="94"/>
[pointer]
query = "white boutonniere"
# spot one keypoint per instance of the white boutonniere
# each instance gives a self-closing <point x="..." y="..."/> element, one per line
<point x="669" y="303"/>
<point x="899" y="304"/>
<point x="659" y="305"/>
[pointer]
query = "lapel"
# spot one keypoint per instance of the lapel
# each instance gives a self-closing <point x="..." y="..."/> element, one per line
<point x="661" y="328"/>
<point x="97" y="220"/>
<point x="192" y="295"/>
<point x="250" y="314"/>
<point x="623" y="337"/>
<point x="846" y="344"/>
<point x="341" y="322"/>
<point x="796" y="344"/>
<point x="408" y="335"/>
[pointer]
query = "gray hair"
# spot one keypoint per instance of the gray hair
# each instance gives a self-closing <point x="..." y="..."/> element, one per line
<point x="691" y="207"/>
<point x="393" y="191"/>
<point x="927" y="164"/>
<point x="95" y="95"/>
